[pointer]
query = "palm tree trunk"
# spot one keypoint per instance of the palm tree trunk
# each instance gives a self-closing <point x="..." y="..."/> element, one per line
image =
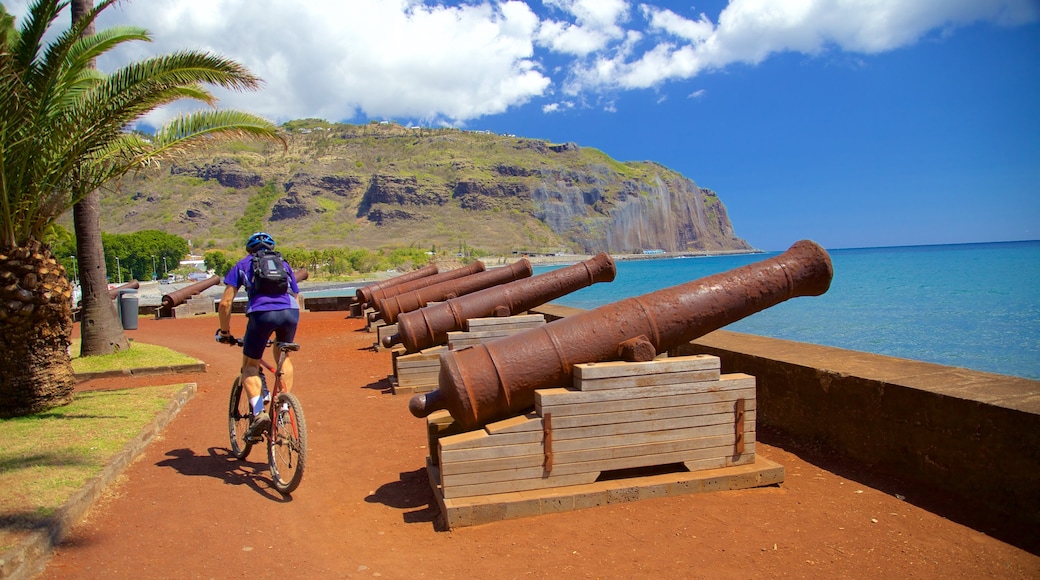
<point x="100" y="328"/>
<point x="36" y="315"/>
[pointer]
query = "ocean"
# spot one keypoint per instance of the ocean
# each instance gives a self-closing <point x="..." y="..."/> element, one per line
<point x="975" y="306"/>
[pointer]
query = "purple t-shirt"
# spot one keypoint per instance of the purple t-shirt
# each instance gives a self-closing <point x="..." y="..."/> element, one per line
<point x="239" y="275"/>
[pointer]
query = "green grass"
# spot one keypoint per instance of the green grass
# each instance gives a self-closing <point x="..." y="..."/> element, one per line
<point x="140" y="355"/>
<point x="47" y="457"/>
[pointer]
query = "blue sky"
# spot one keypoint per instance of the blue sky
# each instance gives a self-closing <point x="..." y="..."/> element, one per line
<point x="852" y="123"/>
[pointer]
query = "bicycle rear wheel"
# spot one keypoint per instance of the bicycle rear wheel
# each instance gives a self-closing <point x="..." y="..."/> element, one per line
<point x="239" y="415"/>
<point x="287" y="446"/>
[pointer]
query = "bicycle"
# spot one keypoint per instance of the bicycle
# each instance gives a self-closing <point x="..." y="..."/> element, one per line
<point x="287" y="435"/>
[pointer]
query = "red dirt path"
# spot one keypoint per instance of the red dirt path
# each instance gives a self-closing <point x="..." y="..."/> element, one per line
<point x="185" y="509"/>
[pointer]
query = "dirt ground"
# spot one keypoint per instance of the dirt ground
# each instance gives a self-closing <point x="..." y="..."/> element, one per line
<point x="186" y="509"/>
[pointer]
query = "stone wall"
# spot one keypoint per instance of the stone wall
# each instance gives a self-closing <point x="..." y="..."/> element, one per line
<point x="973" y="434"/>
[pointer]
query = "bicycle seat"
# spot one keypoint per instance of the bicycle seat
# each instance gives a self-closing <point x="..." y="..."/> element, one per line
<point x="287" y="346"/>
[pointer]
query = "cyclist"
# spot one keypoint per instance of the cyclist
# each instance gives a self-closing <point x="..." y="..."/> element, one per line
<point x="267" y="313"/>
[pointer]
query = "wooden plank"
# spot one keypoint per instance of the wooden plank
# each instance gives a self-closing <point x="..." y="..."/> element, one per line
<point x="614" y="369"/>
<point x="635" y="404"/>
<point x="405" y="382"/>
<point x="419" y="360"/>
<point x="479" y="465"/>
<point x="516" y="485"/>
<point x="615" y="429"/>
<point x="426" y="372"/>
<point x="448" y="455"/>
<point x="650" y="438"/>
<point x="651" y="414"/>
<point x="473" y="478"/>
<point x="483" y="509"/>
<point x="530" y="320"/>
<point x="711" y="458"/>
<point x="649" y="380"/>
<point x="568" y="396"/>
<point x="529" y="422"/>
<point x="457" y="340"/>
<point x="655" y="448"/>
<point x="497" y="440"/>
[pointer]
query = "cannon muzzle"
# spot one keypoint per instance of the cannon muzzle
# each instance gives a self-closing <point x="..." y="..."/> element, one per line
<point x="364" y="293"/>
<point x="497" y="379"/>
<point x="430" y="326"/>
<point x="391" y="308"/>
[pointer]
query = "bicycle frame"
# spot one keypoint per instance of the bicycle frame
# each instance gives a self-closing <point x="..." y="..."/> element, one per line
<point x="276" y="388"/>
<point x="286" y="436"/>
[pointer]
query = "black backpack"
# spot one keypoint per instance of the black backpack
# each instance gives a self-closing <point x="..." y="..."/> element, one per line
<point x="269" y="273"/>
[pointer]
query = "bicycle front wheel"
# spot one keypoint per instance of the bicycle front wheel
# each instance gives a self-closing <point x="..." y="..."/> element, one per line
<point x="287" y="446"/>
<point x="239" y="415"/>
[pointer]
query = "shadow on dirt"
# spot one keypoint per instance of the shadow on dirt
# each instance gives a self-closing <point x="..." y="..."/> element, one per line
<point x="1017" y="533"/>
<point x="411" y="491"/>
<point x="220" y="464"/>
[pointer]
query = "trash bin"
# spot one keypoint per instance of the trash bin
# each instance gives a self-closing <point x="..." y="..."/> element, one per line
<point x="128" y="309"/>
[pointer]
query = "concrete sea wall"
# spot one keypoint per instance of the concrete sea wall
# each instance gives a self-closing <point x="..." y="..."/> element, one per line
<point x="975" y="435"/>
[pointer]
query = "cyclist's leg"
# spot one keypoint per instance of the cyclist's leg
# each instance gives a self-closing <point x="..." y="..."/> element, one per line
<point x="258" y="330"/>
<point x="251" y="377"/>
<point x="286" y="332"/>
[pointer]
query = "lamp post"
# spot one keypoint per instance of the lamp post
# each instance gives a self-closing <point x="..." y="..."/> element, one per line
<point x="75" y="270"/>
<point x="164" y="270"/>
<point x="154" y="273"/>
<point x="119" y="270"/>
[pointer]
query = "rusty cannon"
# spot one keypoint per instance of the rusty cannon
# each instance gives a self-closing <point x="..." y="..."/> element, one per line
<point x="113" y="293"/>
<point x="430" y="326"/>
<point x="391" y="308"/>
<point x="177" y="297"/>
<point x="384" y="293"/>
<point x="364" y="293"/>
<point x="498" y="379"/>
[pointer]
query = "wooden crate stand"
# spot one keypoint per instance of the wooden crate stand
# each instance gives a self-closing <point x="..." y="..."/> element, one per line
<point x="677" y="412"/>
<point x="481" y="330"/>
<point x="417" y="372"/>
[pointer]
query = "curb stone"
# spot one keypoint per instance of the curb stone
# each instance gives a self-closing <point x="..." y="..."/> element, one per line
<point x="28" y="558"/>
<point x="198" y="367"/>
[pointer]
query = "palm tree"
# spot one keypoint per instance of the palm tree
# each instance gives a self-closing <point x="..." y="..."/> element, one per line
<point x="62" y="136"/>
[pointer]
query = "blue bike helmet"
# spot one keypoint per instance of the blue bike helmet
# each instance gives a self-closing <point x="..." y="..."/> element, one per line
<point x="259" y="240"/>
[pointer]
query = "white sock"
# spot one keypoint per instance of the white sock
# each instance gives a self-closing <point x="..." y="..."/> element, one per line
<point x="257" y="403"/>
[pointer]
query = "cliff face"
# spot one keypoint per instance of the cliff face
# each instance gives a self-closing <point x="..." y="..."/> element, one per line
<point x="379" y="185"/>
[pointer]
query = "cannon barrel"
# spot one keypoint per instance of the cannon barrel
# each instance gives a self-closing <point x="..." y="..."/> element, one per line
<point x="114" y="292"/>
<point x="384" y="293"/>
<point x="177" y="297"/>
<point x="498" y="379"/>
<point x="391" y="308"/>
<point x="430" y="326"/>
<point x="364" y="293"/>
<point x="301" y="274"/>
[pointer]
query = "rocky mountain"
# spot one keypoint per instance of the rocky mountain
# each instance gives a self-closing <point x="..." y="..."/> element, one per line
<point x="382" y="184"/>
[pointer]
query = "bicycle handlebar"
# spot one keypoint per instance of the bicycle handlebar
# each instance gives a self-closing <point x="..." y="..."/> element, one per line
<point x="230" y="340"/>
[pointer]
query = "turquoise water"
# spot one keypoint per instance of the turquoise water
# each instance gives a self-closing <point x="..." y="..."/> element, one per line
<point x="969" y="305"/>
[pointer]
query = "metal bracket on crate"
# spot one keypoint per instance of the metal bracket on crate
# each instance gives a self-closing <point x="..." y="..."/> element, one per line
<point x="738" y="426"/>
<point x="547" y="431"/>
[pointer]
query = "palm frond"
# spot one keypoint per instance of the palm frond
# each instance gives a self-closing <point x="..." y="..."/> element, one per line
<point x="62" y="123"/>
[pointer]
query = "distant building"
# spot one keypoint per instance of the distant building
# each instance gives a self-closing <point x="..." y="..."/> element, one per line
<point x="651" y="252"/>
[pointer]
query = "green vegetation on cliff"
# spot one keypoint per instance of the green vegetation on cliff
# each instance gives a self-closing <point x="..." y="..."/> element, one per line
<point x="382" y="185"/>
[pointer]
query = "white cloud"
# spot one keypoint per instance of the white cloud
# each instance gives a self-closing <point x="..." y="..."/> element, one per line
<point x="748" y="31"/>
<point x="698" y="94"/>
<point x="596" y="24"/>
<point x="450" y="61"/>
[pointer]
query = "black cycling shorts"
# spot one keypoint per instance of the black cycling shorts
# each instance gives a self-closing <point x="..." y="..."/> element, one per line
<point x="260" y="326"/>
